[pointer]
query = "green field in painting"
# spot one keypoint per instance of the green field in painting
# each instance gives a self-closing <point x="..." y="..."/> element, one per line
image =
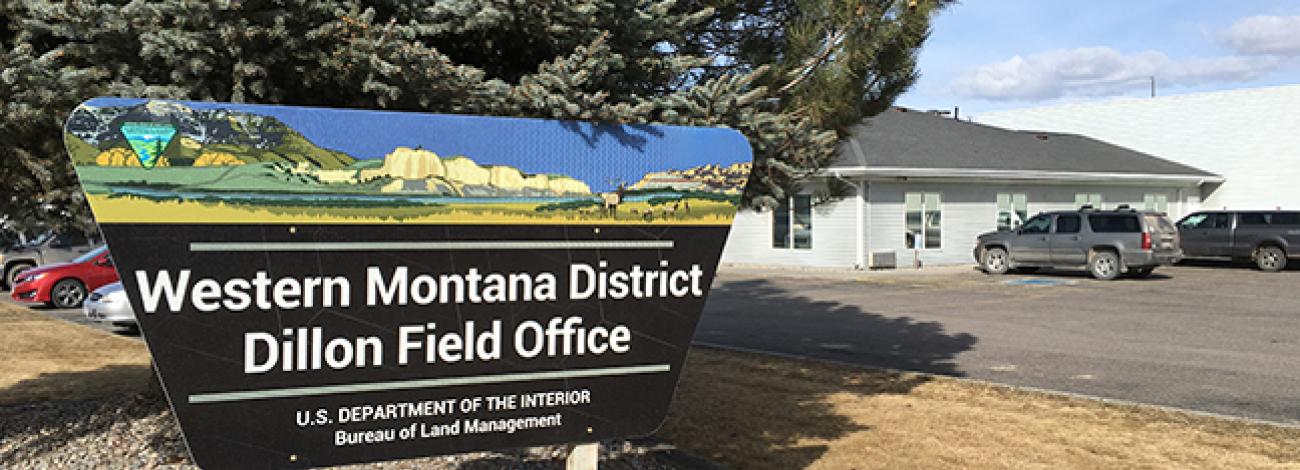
<point x="258" y="177"/>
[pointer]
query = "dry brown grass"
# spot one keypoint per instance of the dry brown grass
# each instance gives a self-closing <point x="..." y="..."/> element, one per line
<point x="750" y="411"/>
<point x="44" y="359"/>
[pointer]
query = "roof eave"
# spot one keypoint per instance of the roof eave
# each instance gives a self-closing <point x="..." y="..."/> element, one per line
<point x="1018" y="175"/>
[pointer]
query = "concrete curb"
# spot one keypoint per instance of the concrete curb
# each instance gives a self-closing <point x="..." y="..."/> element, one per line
<point x="1113" y="401"/>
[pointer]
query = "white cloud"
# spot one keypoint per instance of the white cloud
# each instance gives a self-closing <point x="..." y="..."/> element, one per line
<point x="1100" y="71"/>
<point x="1264" y="35"/>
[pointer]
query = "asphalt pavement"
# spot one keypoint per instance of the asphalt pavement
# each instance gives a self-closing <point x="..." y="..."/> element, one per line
<point x="1212" y="338"/>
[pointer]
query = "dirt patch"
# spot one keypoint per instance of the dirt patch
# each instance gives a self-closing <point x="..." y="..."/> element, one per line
<point x="752" y="411"/>
<point x="46" y="359"/>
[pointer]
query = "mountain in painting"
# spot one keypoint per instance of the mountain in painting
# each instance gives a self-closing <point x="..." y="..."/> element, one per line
<point x="248" y="137"/>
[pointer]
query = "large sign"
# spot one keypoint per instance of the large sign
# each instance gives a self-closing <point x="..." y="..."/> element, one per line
<point x="322" y="286"/>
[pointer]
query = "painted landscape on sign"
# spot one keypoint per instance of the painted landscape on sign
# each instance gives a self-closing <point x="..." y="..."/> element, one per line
<point x="154" y="161"/>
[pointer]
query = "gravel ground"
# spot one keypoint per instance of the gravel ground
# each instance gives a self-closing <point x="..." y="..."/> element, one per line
<point x="138" y="432"/>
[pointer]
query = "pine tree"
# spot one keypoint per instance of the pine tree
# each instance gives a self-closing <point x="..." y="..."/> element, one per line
<point x="834" y="60"/>
<point x="604" y="60"/>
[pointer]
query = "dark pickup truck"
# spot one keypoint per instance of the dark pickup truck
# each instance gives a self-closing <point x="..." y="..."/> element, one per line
<point x="1267" y="238"/>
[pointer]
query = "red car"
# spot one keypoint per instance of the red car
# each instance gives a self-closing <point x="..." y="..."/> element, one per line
<point x="65" y="285"/>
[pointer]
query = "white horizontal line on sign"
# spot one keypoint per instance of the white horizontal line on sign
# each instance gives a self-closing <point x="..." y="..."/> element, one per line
<point x="446" y="246"/>
<point x="425" y="383"/>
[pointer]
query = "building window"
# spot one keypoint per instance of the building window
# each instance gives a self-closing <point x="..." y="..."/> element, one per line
<point x="1158" y="202"/>
<point x="1092" y="199"/>
<point x="1013" y="210"/>
<point x="924" y="221"/>
<point x="792" y="223"/>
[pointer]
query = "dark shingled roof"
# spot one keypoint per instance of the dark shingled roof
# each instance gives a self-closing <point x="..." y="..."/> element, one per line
<point x="916" y="139"/>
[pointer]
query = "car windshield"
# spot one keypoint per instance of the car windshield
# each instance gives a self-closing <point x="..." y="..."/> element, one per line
<point x="91" y="254"/>
<point x="1194" y="220"/>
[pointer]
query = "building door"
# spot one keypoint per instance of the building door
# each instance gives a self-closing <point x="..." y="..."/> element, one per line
<point x="1013" y="210"/>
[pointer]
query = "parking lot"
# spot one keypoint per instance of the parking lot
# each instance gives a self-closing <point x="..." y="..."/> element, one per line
<point x="1204" y="337"/>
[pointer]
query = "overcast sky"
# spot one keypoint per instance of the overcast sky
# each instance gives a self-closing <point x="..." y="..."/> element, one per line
<point x="989" y="55"/>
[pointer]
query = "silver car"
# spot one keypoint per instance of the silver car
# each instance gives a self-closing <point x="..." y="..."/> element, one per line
<point x="109" y="304"/>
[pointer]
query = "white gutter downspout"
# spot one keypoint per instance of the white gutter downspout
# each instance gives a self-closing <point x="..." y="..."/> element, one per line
<point x="860" y="261"/>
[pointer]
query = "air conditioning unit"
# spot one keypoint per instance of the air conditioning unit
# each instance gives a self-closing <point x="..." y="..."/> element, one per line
<point x="884" y="260"/>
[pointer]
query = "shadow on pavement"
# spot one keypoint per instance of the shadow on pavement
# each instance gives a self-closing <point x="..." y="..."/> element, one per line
<point x="760" y="315"/>
<point x="731" y="402"/>
<point x="1292" y="266"/>
<point x="1080" y="274"/>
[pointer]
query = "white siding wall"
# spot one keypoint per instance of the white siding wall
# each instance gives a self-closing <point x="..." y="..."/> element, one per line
<point x="833" y="235"/>
<point x="1248" y="136"/>
<point x="970" y="209"/>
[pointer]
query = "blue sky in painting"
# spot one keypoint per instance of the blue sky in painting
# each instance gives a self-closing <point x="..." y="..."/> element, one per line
<point x="598" y="154"/>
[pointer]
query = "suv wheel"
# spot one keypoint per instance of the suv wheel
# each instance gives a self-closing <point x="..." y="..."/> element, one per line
<point x="14" y="270"/>
<point x="996" y="261"/>
<point x="68" y="293"/>
<point x="1270" y="258"/>
<point x="1104" y="265"/>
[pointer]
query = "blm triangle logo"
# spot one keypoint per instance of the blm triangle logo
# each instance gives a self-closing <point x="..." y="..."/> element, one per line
<point x="148" y="140"/>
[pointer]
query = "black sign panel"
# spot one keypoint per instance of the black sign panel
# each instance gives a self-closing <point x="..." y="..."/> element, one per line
<point x="310" y="301"/>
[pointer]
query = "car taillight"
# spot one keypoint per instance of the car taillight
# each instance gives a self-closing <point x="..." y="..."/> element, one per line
<point x="1146" y="240"/>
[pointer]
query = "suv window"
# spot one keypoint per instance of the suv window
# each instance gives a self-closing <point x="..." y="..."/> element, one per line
<point x="1068" y="223"/>
<point x="1254" y="218"/>
<point x="1114" y="223"/>
<point x="1038" y="224"/>
<point x="1286" y="218"/>
<point x="1157" y="223"/>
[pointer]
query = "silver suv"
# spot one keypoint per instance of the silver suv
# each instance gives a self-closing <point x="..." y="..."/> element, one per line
<point x="1107" y="243"/>
<point x="48" y="248"/>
